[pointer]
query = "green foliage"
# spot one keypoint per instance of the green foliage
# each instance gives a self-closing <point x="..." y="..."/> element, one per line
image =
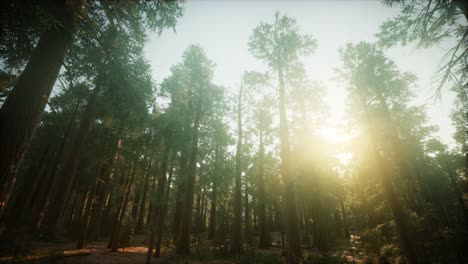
<point x="423" y="22"/>
<point x="95" y="23"/>
<point x="280" y="44"/>
<point x="428" y="23"/>
<point x="107" y="59"/>
<point x="373" y="79"/>
<point x="375" y="238"/>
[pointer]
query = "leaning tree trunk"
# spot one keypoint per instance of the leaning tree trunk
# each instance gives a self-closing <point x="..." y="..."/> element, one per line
<point x="25" y="191"/>
<point x="293" y="244"/>
<point x="236" y="241"/>
<point x="22" y="109"/>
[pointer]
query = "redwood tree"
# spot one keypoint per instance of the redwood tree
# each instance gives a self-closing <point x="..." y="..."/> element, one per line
<point x="279" y="44"/>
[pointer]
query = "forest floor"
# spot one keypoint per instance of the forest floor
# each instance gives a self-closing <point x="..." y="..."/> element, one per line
<point x="98" y="253"/>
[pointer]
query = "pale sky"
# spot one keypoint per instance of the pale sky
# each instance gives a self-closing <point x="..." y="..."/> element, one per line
<point x="223" y="28"/>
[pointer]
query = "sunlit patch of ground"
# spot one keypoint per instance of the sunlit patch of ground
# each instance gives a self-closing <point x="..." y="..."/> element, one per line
<point x="141" y="250"/>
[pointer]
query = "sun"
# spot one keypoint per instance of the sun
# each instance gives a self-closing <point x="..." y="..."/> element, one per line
<point x="334" y="135"/>
<point x="344" y="157"/>
<point x="338" y="139"/>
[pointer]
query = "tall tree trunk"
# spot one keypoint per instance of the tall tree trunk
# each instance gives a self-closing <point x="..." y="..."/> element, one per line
<point x="69" y="209"/>
<point x="38" y="199"/>
<point x="79" y="210"/>
<point x="181" y="180"/>
<point x="42" y="204"/>
<point x="236" y="240"/>
<point x="198" y="212"/>
<point x="280" y="221"/>
<point x="185" y="223"/>
<point x="459" y="197"/>
<point x="24" y="193"/>
<point x="319" y="222"/>
<point x="139" y="226"/>
<point x="158" y="202"/>
<point x="399" y="215"/>
<point x="119" y="192"/>
<point x="345" y="221"/>
<point x="149" y="217"/>
<point x="254" y="213"/>
<point x="264" y="239"/>
<point x="162" y="214"/>
<point x="199" y="221"/>
<point x="181" y="185"/>
<point x="65" y="180"/>
<point x="205" y="209"/>
<point x="247" y="225"/>
<point x="85" y="219"/>
<point x="202" y="210"/>
<point x="22" y="109"/>
<point x="306" y="226"/>
<point x="135" y="205"/>
<point x="102" y="190"/>
<point x="293" y="244"/>
<point x="123" y="210"/>
<point x="118" y="216"/>
<point x="214" y="194"/>
<point x="38" y="188"/>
